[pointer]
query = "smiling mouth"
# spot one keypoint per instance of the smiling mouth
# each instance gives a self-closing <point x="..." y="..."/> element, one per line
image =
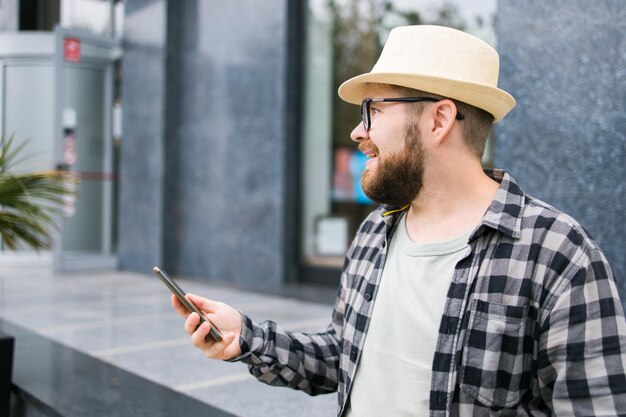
<point x="369" y="151"/>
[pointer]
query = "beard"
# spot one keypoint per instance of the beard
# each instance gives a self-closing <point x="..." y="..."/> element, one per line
<point x="398" y="178"/>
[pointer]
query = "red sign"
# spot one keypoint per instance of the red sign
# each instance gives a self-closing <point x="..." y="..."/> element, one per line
<point x="72" y="49"/>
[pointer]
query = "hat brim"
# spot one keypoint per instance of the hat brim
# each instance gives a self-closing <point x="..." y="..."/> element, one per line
<point x="493" y="100"/>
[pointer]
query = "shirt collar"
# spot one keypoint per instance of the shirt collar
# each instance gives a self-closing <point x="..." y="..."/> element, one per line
<point x="504" y="214"/>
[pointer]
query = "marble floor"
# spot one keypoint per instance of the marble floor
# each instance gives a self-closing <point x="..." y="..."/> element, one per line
<point x="125" y="319"/>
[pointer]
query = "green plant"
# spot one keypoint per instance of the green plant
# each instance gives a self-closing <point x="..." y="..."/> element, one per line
<point x="30" y="202"/>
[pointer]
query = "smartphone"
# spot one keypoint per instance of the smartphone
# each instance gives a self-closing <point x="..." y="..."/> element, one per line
<point x="180" y="294"/>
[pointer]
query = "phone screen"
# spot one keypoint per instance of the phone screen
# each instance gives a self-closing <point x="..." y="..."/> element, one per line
<point x="180" y="294"/>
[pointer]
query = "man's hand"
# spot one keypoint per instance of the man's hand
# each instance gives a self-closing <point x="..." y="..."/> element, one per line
<point x="225" y="318"/>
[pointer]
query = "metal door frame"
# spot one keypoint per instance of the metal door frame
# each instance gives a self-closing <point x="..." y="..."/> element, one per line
<point x="98" y="53"/>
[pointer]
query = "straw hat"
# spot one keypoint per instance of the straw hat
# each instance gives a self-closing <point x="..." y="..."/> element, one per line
<point x="437" y="60"/>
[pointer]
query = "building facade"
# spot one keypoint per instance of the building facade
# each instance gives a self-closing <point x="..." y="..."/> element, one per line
<point x="235" y="165"/>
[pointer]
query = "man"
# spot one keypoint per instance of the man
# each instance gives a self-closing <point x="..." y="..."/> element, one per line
<point x="460" y="295"/>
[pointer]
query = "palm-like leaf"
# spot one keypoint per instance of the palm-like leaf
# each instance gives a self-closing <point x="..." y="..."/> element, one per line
<point x="29" y="202"/>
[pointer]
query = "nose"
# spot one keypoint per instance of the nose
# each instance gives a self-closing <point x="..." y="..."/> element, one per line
<point x="359" y="133"/>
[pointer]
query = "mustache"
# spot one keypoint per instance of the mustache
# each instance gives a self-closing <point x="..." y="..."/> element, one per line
<point x="367" y="147"/>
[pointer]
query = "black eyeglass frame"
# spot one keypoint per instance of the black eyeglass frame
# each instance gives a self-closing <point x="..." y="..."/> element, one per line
<point x="366" y="119"/>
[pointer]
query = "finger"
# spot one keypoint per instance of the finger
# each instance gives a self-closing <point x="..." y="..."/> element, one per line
<point x="179" y="307"/>
<point x="222" y="349"/>
<point x="232" y="346"/>
<point x="199" y="336"/>
<point x="191" y="324"/>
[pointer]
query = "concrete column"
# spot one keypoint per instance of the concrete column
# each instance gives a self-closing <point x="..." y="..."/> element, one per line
<point x="205" y="145"/>
<point x="226" y="141"/>
<point x="142" y="152"/>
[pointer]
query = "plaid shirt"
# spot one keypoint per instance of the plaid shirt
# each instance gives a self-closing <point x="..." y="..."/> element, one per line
<point x="532" y="325"/>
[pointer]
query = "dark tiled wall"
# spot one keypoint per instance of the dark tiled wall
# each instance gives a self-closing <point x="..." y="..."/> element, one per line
<point x="565" y="141"/>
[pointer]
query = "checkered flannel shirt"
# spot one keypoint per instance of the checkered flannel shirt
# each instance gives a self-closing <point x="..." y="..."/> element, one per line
<point x="532" y="325"/>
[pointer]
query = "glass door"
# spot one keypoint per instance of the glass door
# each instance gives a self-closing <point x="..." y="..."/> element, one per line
<point x="85" y="146"/>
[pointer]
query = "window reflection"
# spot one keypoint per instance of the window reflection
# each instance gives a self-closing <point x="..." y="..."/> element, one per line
<point x="344" y="39"/>
<point x="100" y="17"/>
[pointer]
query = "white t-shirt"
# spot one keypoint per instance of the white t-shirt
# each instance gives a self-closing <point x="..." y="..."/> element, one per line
<point x="394" y="373"/>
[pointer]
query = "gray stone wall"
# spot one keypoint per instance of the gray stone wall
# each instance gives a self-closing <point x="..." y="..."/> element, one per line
<point x="142" y="151"/>
<point x="216" y="121"/>
<point x="565" y="63"/>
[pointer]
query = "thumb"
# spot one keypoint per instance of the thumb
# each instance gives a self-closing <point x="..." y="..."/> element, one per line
<point x="232" y="349"/>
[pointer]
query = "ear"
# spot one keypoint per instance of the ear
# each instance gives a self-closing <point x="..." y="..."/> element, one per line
<point x="443" y="114"/>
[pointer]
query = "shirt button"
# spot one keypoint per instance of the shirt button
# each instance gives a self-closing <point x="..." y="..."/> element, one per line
<point x="368" y="296"/>
<point x="353" y="353"/>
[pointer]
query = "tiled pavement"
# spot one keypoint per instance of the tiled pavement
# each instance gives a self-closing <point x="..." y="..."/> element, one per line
<point x="126" y="320"/>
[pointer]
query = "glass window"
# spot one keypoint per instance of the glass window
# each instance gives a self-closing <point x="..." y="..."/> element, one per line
<point x="100" y="17"/>
<point x="344" y="39"/>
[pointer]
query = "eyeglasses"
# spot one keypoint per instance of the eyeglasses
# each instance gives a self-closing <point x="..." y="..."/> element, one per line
<point x="365" y="107"/>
